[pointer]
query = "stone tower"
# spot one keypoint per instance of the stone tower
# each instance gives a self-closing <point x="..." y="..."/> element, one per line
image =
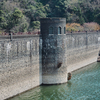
<point x="54" y="62"/>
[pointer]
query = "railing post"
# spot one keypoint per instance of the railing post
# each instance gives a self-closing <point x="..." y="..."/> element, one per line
<point x="11" y="37"/>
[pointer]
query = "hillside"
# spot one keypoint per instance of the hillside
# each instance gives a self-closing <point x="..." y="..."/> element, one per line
<point x="24" y="15"/>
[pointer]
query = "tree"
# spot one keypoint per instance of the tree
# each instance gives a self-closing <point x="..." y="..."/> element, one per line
<point x="36" y="25"/>
<point x="78" y="11"/>
<point x="16" y="16"/>
<point x="35" y="12"/>
<point x="58" y="8"/>
<point x="97" y="18"/>
<point x="30" y="11"/>
<point x="13" y="19"/>
<point x="2" y="20"/>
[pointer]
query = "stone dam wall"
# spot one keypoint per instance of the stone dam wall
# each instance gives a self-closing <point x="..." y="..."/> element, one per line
<point x="20" y="67"/>
<point x="21" y="59"/>
<point x="82" y="49"/>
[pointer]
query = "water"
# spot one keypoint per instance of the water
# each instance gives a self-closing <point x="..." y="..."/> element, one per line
<point x="84" y="85"/>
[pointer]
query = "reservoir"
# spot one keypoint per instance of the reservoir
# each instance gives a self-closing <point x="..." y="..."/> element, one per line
<point x="84" y="85"/>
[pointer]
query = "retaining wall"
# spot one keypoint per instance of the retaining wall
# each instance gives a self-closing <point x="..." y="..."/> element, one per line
<point x="82" y="49"/>
<point x="20" y="67"/>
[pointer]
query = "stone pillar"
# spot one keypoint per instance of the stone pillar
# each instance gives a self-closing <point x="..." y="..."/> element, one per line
<point x="54" y="62"/>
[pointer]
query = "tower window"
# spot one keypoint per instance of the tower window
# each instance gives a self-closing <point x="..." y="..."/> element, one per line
<point x="64" y="30"/>
<point x="59" y="30"/>
<point x="51" y="30"/>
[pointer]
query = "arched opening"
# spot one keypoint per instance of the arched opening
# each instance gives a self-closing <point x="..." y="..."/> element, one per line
<point x="59" y="30"/>
<point x="51" y="30"/>
<point x="64" y="30"/>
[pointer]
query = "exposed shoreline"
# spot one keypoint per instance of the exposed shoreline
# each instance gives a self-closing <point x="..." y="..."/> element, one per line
<point x="80" y="65"/>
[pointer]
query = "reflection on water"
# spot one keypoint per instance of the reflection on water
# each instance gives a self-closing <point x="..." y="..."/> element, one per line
<point x="84" y="85"/>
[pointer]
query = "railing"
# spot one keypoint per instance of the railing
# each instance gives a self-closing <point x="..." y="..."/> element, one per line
<point x="21" y="33"/>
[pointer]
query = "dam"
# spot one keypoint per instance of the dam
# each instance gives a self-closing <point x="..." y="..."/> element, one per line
<point x="31" y="60"/>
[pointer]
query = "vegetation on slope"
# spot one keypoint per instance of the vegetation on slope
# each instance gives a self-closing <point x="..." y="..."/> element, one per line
<point x="24" y="15"/>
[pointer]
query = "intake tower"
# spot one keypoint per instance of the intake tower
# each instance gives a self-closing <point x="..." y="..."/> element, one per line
<point x="54" y="62"/>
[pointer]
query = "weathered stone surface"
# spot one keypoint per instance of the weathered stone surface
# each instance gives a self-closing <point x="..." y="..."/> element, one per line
<point x="82" y="48"/>
<point x="20" y="67"/>
<point x="54" y="67"/>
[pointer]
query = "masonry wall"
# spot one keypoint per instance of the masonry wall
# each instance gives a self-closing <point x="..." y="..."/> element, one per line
<point x="54" y="67"/>
<point x="20" y="65"/>
<point x="82" y="49"/>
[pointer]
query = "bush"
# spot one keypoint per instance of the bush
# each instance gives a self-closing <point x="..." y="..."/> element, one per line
<point x="74" y="27"/>
<point x="36" y="25"/>
<point x="93" y="26"/>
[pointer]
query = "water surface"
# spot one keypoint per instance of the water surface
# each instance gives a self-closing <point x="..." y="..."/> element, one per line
<point x="84" y="85"/>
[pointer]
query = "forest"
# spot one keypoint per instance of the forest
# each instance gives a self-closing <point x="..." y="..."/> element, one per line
<point x="24" y="15"/>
